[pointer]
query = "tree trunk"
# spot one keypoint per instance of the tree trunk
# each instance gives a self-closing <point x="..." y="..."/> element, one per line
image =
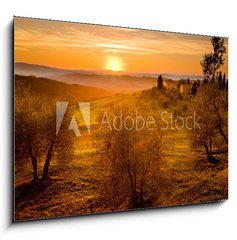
<point x="210" y="142"/>
<point x="207" y="150"/>
<point x="133" y="191"/>
<point x="220" y="123"/>
<point x="47" y="161"/>
<point x="209" y="153"/>
<point x="141" y="191"/>
<point x="222" y="133"/>
<point x="34" y="164"/>
<point x="32" y="156"/>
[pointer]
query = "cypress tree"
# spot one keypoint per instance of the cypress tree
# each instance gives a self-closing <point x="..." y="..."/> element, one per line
<point x="194" y="88"/>
<point x="160" y="82"/>
<point x="205" y="80"/>
<point x="223" y="83"/>
<point x="220" y="81"/>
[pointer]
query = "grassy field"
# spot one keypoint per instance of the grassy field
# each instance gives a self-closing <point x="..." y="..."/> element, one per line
<point x="79" y="187"/>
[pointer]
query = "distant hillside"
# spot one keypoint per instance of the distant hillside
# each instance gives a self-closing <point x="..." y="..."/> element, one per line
<point x="62" y="91"/>
<point x="37" y="70"/>
<point x="117" y="82"/>
<point x="113" y="83"/>
<point x="28" y="69"/>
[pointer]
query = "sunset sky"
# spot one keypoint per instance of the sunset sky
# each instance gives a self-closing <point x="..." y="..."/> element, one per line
<point x="91" y="47"/>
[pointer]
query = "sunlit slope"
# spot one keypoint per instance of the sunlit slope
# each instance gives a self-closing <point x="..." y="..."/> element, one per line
<point x="101" y="106"/>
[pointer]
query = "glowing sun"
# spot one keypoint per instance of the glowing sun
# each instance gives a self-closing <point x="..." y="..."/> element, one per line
<point x="114" y="64"/>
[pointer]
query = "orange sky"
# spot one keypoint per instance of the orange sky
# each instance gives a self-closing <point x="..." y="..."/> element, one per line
<point x="91" y="47"/>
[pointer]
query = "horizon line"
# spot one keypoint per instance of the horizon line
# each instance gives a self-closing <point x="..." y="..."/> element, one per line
<point x="106" y="70"/>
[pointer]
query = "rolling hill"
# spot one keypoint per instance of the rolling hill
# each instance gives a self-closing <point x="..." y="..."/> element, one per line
<point x="63" y="91"/>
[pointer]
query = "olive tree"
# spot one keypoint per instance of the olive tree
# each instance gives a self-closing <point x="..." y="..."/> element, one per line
<point x="130" y="153"/>
<point x="210" y="105"/>
<point x="35" y="133"/>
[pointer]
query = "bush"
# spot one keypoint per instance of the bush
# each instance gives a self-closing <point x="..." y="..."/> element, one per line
<point x="165" y="104"/>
